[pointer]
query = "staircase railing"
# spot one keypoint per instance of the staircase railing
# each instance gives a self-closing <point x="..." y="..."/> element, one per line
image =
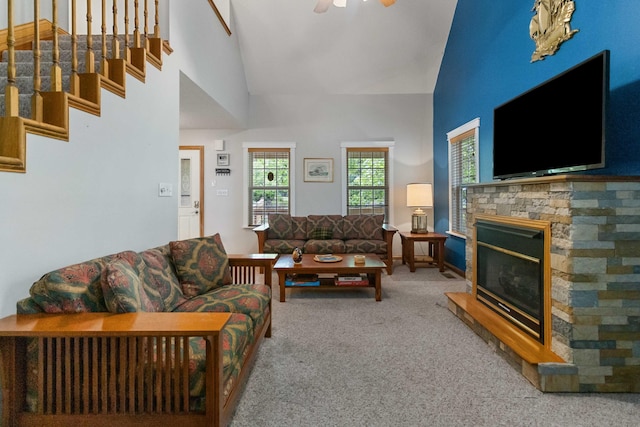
<point x="46" y="113"/>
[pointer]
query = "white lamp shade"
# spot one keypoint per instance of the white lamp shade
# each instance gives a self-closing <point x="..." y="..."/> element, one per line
<point x="340" y="3"/>
<point x="419" y="195"/>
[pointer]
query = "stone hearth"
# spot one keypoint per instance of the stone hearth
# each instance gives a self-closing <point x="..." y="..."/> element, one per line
<point x="595" y="279"/>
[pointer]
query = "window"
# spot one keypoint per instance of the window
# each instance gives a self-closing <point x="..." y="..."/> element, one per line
<point x="269" y="181"/>
<point x="463" y="170"/>
<point x="367" y="181"/>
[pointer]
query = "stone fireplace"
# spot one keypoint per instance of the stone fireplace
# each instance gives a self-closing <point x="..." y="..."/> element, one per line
<point x="593" y="317"/>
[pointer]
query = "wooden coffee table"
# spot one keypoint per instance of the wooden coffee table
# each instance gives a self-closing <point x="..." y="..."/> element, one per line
<point x="372" y="267"/>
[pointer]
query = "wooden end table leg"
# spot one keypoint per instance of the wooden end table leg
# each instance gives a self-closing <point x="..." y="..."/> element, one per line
<point x="281" y="279"/>
<point x="404" y="249"/>
<point x="441" y="255"/>
<point x="378" y="285"/>
<point x="411" y="255"/>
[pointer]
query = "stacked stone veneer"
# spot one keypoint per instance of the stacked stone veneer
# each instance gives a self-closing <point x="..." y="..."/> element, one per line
<point x="595" y="269"/>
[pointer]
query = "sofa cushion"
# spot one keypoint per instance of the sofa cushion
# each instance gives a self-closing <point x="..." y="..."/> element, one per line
<point x="278" y="246"/>
<point x="367" y="246"/>
<point x="124" y="289"/>
<point x="363" y="227"/>
<point x="334" y="222"/>
<point x="161" y="270"/>
<point x="250" y="299"/>
<point x="201" y="264"/>
<point x="331" y="246"/>
<point x="280" y="227"/>
<point x="322" y="233"/>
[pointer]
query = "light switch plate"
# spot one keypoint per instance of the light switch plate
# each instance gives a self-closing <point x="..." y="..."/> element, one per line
<point x="165" y="190"/>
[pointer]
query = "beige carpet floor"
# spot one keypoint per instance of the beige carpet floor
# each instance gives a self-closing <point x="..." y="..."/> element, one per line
<point x="339" y="358"/>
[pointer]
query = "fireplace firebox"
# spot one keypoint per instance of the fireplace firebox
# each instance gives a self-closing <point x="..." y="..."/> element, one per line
<point x="510" y="273"/>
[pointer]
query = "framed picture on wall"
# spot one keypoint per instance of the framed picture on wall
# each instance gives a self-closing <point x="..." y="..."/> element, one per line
<point x="318" y="170"/>
<point x="223" y="159"/>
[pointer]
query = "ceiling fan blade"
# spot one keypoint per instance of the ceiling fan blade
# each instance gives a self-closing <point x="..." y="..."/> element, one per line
<point x="387" y="3"/>
<point x="322" y="6"/>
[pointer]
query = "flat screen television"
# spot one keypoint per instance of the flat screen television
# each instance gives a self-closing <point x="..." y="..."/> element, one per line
<point x="556" y="127"/>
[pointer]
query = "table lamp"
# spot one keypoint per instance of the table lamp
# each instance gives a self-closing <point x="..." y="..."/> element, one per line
<point x="419" y="195"/>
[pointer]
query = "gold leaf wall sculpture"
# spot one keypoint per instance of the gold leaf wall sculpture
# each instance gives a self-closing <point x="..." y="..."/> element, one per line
<point x="550" y="26"/>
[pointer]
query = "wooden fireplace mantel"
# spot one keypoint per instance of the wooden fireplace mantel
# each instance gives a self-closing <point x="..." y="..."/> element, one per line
<point x="559" y="178"/>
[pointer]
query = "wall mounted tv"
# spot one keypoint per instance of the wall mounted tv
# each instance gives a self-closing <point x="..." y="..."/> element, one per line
<point x="556" y="127"/>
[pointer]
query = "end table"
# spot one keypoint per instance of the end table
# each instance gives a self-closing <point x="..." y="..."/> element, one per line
<point x="435" y="251"/>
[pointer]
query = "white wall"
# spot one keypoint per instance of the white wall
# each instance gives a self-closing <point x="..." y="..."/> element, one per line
<point x="97" y="193"/>
<point x="318" y="125"/>
<point x="215" y="66"/>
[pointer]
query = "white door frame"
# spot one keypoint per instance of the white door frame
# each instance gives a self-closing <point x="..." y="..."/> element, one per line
<point x="199" y="148"/>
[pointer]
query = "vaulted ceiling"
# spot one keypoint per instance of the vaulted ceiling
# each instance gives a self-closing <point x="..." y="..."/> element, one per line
<point x="365" y="48"/>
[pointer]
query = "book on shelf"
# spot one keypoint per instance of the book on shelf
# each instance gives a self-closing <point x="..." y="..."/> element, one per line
<point x="353" y="280"/>
<point x="302" y="280"/>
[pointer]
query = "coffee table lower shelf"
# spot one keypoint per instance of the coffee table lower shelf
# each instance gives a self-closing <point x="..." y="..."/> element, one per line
<point x="372" y="267"/>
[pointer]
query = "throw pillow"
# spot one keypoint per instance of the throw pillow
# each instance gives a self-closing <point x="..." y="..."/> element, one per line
<point x="123" y="290"/>
<point x="201" y="263"/>
<point x="322" y="233"/>
<point x="280" y="226"/>
<point x="365" y="227"/>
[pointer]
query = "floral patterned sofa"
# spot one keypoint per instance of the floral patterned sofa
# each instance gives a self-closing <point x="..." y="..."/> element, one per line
<point x="194" y="275"/>
<point x="328" y="234"/>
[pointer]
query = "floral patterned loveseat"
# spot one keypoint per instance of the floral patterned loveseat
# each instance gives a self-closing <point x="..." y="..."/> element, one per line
<point x="194" y="275"/>
<point x="328" y="234"/>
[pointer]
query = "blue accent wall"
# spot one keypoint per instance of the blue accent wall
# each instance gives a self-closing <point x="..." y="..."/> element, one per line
<point x="487" y="61"/>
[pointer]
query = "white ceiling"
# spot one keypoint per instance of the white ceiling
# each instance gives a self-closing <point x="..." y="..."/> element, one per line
<point x="365" y="48"/>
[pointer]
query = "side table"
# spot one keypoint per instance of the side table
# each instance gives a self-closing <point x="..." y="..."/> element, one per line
<point x="435" y="251"/>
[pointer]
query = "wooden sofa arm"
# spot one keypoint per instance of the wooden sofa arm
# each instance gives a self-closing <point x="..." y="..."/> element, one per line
<point x="388" y="232"/>
<point x="93" y="368"/>
<point x="261" y="232"/>
<point x="245" y="267"/>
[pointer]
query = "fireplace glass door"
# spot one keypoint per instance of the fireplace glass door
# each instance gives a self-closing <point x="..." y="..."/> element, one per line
<point x="510" y="275"/>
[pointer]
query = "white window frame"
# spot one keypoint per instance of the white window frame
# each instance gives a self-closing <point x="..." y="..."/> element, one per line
<point x="473" y="125"/>
<point x="389" y="145"/>
<point x="291" y="146"/>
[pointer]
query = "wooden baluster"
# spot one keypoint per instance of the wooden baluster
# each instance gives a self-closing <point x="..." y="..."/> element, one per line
<point x="12" y="107"/>
<point x="156" y="27"/>
<point x="36" y="99"/>
<point x="104" y="64"/>
<point x="56" y="71"/>
<point x="136" y="23"/>
<point x="127" y="47"/>
<point x="146" y="25"/>
<point x="115" y="43"/>
<point x="75" y="78"/>
<point x="90" y="58"/>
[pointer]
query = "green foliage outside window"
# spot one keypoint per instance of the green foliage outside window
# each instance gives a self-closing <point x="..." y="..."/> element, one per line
<point x="367" y="182"/>
<point x="269" y="190"/>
